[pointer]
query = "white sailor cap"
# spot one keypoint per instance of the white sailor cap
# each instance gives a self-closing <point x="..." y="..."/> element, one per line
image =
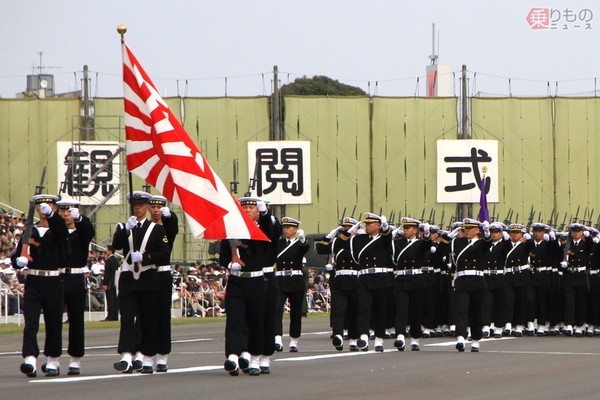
<point x="471" y="223"/>
<point x="370" y="218"/>
<point x="45" y="198"/>
<point x="576" y="227"/>
<point x="408" y="222"/>
<point x="289" y="221"/>
<point x="65" y="204"/>
<point x="348" y="221"/>
<point x="158" y="201"/>
<point x="138" y="197"/>
<point x="499" y="226"/>
<point x="516" y="228"/>
<point x="539" y="226"/>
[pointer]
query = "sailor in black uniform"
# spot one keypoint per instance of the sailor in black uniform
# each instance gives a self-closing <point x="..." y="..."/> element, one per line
<point x="162" y="215"/>
<point x="518" y="270"/>
<point x="410" y="283"/>
<point x="542" y="258"/>
<point x="145" y="247"/>
<point x="372" y="252"/>
<point x="246" y="291"/>
<point x="81" y="232"/>
<point x="470" y="287"/>
<point x="344" y="285"/>
<point x="43" y="286"/>
<point x="577" y="254"/>
<point x="290" y="280"/>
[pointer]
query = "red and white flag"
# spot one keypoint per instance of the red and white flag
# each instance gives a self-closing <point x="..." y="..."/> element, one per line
<point x="161" y="152"/>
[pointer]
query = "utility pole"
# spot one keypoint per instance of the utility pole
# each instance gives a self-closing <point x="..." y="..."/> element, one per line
<point x="464" y="209"/>
<point x="276" y="133"/>
<point x="87" y="120"/>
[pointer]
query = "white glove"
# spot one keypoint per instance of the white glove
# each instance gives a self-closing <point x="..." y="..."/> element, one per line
<point x="361" y="231"/>
<point x="136" y="257"/>
<point x="233" y="266"/>
<point x="485" y="226"/>
<point x="527" y="236"/>
<point x="165" y="212"/>
<point x="596" y="239"/>
<point x="262" y="206"/>
<point x="505" y="235"/>
<point x="131" y="223"/>
<point x="397" y="232"/>
<point x="354" y="228"/>
<point x="425" y="227"/>
<point x="74" y="213"/>
<point x="552" y="235"/>
<point x="329" y="267"/>
<point x="546" y="237"/>
<point x="300" y="236"/>
<point x="333" y="233"/>
<point x="563" y="264"/>
<point x="453" y="234"/>
<point x="433" y="249"/>
<point x="384" y="224"/>
<point x="586" y="233"/>
<point x="45" y="209"/>
<point x="22" y="261"/>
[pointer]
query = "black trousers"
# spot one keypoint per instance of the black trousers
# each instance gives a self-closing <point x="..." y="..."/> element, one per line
<point x="244" y="326"/>
<point x="43" y="293"/>
<point x="270" y="314"/>
<point x="74" y="296"/>
<point x="165" y="295"/>
<point x="296" y="299"/>
<point x="409" y="310"/>
<point x="112" y="305"/>
<point x="371" y="309"/>
<point x="542" y="300"/>
<point x="144" y="305"/>
<point x="524" y="304"/>
<point x="470" y="312"/>
<point x="576" y="301"/>
<point x="502" y="304"/>
<point x="430" y="300"/>
<point x="344" y="312"/>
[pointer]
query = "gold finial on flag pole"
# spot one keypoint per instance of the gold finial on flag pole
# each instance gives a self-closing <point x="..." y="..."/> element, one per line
<point x="484" y="170"/>
<point x="122" y="29"/>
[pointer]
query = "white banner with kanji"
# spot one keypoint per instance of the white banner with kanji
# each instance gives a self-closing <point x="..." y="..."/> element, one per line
<point x="461" y="165"/>
<point x="280" y="171"/>
<point x="89" y="171"/>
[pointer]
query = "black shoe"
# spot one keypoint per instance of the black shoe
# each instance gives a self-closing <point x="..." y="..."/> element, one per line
<point x="124" y="367"/>
<point x="446" y="334"/>
<point x="278" y="347"/>
<point x="244" y="363"/>
<point x="474" y="349"/>
<point x="528" y="333"/>
<point x="147" y="369"/>
<point x="337" y="341"/>
<point x="137" y="365"/>
<point x="74" y="371"/>
<point x="254" y="372"/>
<point x="415" y="347"/>
<point x="353" y="347"/>
<point x="28" y="370"/>
<point x="346" y="337"/>
<point x="426" y="335"/>
<point x="506" y="332"/>
<point x="379" y="349"/>
<point x="517" y="334"/>
<point x="460" y="346"/>
<point x="293" y="349"/>
<point x="43" y="368"/>
<point x="372" y="337"/>
<point x="231" y="367"/>
<point x="366" y="348"/>
<point x="497" y="335"/>
<point x="399" y="344"/>
<point x="485" y="334"/>
<point x="265" y="370"/>
<point x="52" y="371"/>
<point x="453" y="333"/>
<point x="361" y="343"/>
<point x="161" y="368"/>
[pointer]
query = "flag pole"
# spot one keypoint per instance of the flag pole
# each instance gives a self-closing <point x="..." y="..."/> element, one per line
<point x="122" y="29"/>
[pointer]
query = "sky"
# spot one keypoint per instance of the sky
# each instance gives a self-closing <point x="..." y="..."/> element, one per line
<point x="205" y="48"/>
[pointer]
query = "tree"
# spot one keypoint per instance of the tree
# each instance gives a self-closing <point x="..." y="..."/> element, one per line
<point x="320" y="85"/>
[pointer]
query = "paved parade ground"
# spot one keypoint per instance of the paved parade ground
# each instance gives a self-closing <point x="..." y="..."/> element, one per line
<point x="508" y="368"/>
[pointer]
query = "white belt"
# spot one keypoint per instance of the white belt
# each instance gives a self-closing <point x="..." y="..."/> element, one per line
<point x="429" y="269"/>
<point x="71" y="270"/>
<point x="577" y="269"/>
<point x="374" y="271"/>
<point x="246" y="274"/>
<point x="594" y="272"/>
<point x="346" y="272"/>
<point x="43" y="272"/>
<point x="164" y="268"/>
<point x="494" y="272"/>
<point x="401" y="272"/>
<point x="289" y="272"/>
<point x="469" y="272"/>
<point x="542" y="269"/>
<point x="268" y="270"/>
<point x="517" y="269"/>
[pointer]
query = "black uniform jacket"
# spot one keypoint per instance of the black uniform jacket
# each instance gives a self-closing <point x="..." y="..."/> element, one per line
<point x="291" y="259"/>
<point x="468" y="255"/>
